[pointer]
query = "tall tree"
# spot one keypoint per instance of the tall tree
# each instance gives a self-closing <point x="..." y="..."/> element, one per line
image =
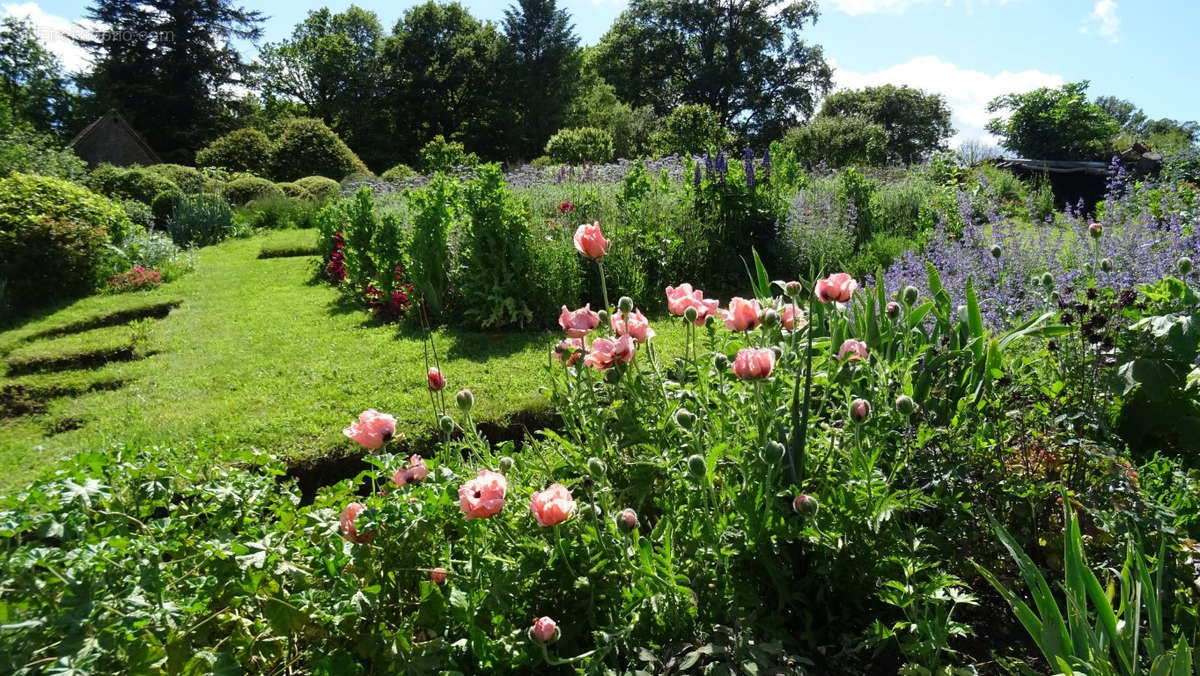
<point x="331" y="64"/>
<point x="917" y="123"/>
<point x="169" y="66"/>
<point x="546" y="62"/>
<point x="1054" y="124"/>
<point x="445" y="71"/>
<point x="742" y="58"/>
<point x="33" y="88"/>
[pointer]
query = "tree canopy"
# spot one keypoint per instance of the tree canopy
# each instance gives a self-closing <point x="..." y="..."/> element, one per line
<point x="33" y="88"/>
<point x="917" y="123"/>
<point x="1053" y="124"/>
<point x="545" y="76"/>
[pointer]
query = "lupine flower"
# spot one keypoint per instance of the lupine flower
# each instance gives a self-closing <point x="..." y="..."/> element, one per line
<point x="722" y="164"/>
<point x="696" y="177"/>
<point x="606" y="352"/>
<point x="852" y="349"/>
<point x="742" y="314"/>
<point x="416" y="471"/>
<point x="838" y="287"/>
<point x="748" y="163"/>
<point x="793" y="318"/>
<point x="372" y="430"/>
<point x="766" y="158"/>
<point x="753" y="363"/>
<point x="635" y="325"/>
<point x="578" y="323"/>
<point x="482" y="496"/>
<point x="568" y="350"/>
<point x="346" y="521"/>
<point x="552" y="506"/>
<point x="438" y="576"/>
<point x="708" y="163"/>
<point x="435" y="378"/>
<point x="590" y="242"/>
<point x="544" y="630"/>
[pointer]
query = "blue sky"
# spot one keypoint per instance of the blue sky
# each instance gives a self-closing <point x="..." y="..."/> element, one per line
<point x="1147" y="51"/>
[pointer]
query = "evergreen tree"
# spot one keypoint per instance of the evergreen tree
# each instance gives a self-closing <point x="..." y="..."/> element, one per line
<point x="546" y="62"/>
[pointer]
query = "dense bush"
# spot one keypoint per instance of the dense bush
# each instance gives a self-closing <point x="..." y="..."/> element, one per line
<point x="320" y="187"/>
<point x="53" y="239"/>
<point x="1052" y="123"/>
<point x="294" y="190"/>
<point x="838" y="141"/>
<point x="279" y="213"/>
<point x="28" y="152"/>
<point x="128" y="183"/>
<point x="188" y="179"/>
<point x="442" y="155"/>
<point x="398" y="173"/>
<point x="200" y="220"/>
<point x="163" y="204"/>
<point x="366" y="252"/>
<point x="246" y="150"/>
<point x="307" y="147"/>
<point x="436" y="208"/>
<point x="139" y="213"/>
<point x="157" y="251"/>
<point x="249" y="188"/>
<point x="690" y="129"/>
<point x="577" y="146"/>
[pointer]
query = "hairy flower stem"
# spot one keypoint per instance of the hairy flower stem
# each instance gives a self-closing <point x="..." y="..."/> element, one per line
<point x="799" y="446"/>
<point x="603" y="286"/>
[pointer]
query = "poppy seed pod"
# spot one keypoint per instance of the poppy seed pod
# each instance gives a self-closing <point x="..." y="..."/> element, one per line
<point x="910" y="295"/>
<point x="596" y="467"/>
<point x="905" y="405"/>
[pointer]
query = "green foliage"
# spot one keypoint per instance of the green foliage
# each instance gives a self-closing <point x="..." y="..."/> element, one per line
<point x="306" y="147"/>
<point x="128" y="183"/>
<point x="34" y="91"/>
<point x="442" y="155"/>
<point x="398" y="173"/>
<point x="247" y="150"/>
<point x="856" y="195"/>
<point x="577" y="146"/>
<point x="279" y="213"/>
<point x="544" y="74"/>
<point x="28" y="152"/>
<point x="163" y="204"/>
<point x="1053" y="124"/>
<point x="838" y="142"/>
<point x="691" y="130"/>
<point x="295" y="191"/>
<point x="917" y="123"/>
<point x="139" y="213"/>
<point x="320" y="187"/>
<point x="53" y="237"/>
<point x="200" y="220"/>
<point x="189" y="179"/>
<point x="597" y="106"/>
<point x="249" y="188"/>
<point x="436" y="208"/>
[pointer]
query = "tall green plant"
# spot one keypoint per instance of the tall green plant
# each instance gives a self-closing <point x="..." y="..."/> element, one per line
<point x="436" y="208"/>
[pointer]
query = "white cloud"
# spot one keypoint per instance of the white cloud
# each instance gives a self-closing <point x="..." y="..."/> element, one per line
<point x="857" y="7"/>
<point x="54" y="32"/>
<point x="967" y="92"/>
<point x="1104" y="21"/>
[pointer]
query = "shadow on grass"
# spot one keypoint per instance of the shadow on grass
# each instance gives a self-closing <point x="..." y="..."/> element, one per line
<point x="484" y="346"/>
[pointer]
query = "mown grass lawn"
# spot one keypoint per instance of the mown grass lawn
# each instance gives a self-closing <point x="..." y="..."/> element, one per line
<point x="257" y="355"/>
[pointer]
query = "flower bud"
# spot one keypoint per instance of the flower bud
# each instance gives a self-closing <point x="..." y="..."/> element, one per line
<point x="690" y="314"/>
<point x="603" y="315"/>
<point x="697" y="467"/>
<point x="996" y="251"/>
<point x="1096" y="230"/>
<point x="506" y="464"/>
<point x="773" y="452"/>
<point x="710" y="321"/>
<point x="596" y="467"/>
<point x="793" y="289"/>
<point x="910" y="295"/>
<point x="721" y="362"/>
<point x="1106" y="264"/>
<point x="466" y="400"/>
<point x="446" y="423"/>
<point x="627" y="520"/>
<point x="1047" y="280"/>
<point x="544" y="630"/>
<point x="806" y="505"/>
<point x="685" y="418"/>
<point x="438" y="576"/>
<point x="778" y="351"/>
<point x="892" y="310"/>
<point x="435" y="379"/>
<point x="770" y="318"/>
<point x="626" y="304"/>
<point x="1184" y="265"/>
<point x="860" y="410"/>
<point x="905" y="405"/>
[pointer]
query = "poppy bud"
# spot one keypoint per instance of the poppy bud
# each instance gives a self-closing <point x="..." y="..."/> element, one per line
<point x="596" y="467"/>
<point x="773" y="452"/>
<point x="905" y="405"/>
<point x="697" y="467"/>
<point x="466" y="400"/>
<point x="910" y="295"/>
<point x="806" y="505"/>
<point x="860" y="410"/>
<point x="626" y="304"/>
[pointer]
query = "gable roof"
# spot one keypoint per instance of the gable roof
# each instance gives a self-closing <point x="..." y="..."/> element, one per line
<point x="111" y="139"/>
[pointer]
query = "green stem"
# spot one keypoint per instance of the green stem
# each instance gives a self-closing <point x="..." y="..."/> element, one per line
<point x="604" y="286"/>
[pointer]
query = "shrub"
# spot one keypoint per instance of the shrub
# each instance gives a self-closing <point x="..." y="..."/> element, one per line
<point x="242" y="150"/>
<point x="249" y="188"/>
<point x="691" y="129"/>
<point x="398" y="173"/>
<point x="583" y="144"/>
<point x="28" y="152"/>
<point x="163" y="204"/>
<point x="838" y="142"/>
<point x="279" y="213"/>
<point x="201" y="220"/>
<point x="158" y="251"/>
<point x="294" y="190"/>
<point x="442" y="155"/>
<point x="436" y="207"/>
<point x="138" y="278"/>
<point x="1052" y="123"/>
<point x="139" y="213"/>
<point x="189" y="179"/>
<point x="52" y="239"/>
<point x="127" y="183"/>
<point x="306" y="147"/>
<point x="816" y="236"/>
<point x="320" y="187"/>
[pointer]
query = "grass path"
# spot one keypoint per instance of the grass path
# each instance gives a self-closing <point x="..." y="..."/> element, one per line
<point x="255" y="356"/>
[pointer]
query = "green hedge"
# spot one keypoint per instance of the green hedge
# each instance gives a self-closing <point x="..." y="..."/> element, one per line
<point x="319" y="187"/>
<point x="246" y="150"/>
<point x="249" y="188"/>
<point x="308" y="147"/>
<point x="129" y="183"/>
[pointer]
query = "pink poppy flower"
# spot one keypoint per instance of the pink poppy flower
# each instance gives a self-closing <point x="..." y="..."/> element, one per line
<point x="837" y="287"/>
<point x="438" y="576"/>
<point x="754" y="363"/>
<point x="853" y="349"/>
<point x="568" y="351"/>
<point x="635" y="325"/>
<point x="742" y="314"/>
<point x="590" y="241"/>
<point x="416" y="471"/>
<point x="793" y="318"/>
<point x="553" y="505"/>
<point x="606" y="352"/>
<point x="372" y="430"/>
<point x="682" y="297"/>
<point x="544" y="629"/>
<point x="577" y="324"/>
<point x="347" y="523"/>
<point x="482" y="496"/>
<point x="436" y="380"/>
